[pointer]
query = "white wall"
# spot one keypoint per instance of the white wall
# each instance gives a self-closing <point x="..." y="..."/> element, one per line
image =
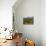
<point x="29" y="8"/>
<point x="6" y="13"/>
<point x="43" y="22"/>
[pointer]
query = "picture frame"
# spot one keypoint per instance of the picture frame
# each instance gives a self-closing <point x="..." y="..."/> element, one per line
<point x="28" y="21"/>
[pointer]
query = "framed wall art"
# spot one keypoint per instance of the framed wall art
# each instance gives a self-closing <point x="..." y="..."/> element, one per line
<point x="28" y="20"/>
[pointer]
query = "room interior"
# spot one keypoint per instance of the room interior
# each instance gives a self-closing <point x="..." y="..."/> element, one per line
<point x="22" y="23"/>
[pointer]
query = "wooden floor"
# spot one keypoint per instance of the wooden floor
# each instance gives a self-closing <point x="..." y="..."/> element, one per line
<point x="9" y="43"/>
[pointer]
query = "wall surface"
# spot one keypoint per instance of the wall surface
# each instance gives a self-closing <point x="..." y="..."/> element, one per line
<point x="29" y="8"/>
<point x="43" y="22"/>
